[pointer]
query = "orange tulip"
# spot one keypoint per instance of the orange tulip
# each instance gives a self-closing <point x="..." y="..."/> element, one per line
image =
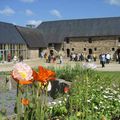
<point x="24" y="101"/>
<point x="43" y="75"/>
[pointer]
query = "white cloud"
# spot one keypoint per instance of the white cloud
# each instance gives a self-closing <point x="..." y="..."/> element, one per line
<point x="56" y="13"/>
<point x="7" y="11"/>
<point x="34" y="22"/>
<point x="113" y="2"/>
<point x="29" y="12"/>
<point x="28" y="1"/>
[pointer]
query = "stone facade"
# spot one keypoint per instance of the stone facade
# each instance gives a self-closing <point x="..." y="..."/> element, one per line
<point x="12" y="50"/>
<point x="33" y="53"/>
<point x="92" y="45"/>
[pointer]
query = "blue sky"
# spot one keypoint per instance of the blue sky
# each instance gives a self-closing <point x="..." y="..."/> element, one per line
<point x="22" y="12"/>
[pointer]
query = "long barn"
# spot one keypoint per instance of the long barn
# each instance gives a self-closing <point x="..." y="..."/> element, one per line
<point x="87" y="36"/>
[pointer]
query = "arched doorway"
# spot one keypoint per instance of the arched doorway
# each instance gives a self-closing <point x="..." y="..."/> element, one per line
<point x="68" y="52"/>
<point x="90" y="51"/>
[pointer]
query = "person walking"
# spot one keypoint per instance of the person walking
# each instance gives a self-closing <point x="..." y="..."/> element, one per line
<point x="119" y="58"/>
<point x="61" y="59"/>
<point x="20" y="58"/>
<point x="94" y="57"/>
<point x="108" y="58"/>
<point x="9" y="57"/>
<point x="103" y="59"/>
<point x="15" y="59"/>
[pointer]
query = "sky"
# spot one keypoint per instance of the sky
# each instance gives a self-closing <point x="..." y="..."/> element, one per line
<point x="23" y="12"/>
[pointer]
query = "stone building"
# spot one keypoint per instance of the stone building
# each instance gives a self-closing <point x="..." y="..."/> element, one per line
<point x="15" y="40"/>
<point x="11" y="42"/>
<point x="87" y="36"/>
<point x="34" y="41"/>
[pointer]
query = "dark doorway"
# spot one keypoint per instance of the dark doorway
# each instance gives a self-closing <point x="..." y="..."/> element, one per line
<point x="68" y="52"/>
<point x="51" y="52"/>
<point x="90" y="51"/>
<point x="118" y="51"/>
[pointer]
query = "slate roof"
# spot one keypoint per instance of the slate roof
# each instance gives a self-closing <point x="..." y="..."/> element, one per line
<point x="9" y="34"/>
<point x="56" y="31"/>
<point x="32" y="37"/>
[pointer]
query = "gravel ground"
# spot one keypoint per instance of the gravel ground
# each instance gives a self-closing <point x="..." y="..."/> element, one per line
<point x="7" y="101"/>
<point x="113" y="66"/>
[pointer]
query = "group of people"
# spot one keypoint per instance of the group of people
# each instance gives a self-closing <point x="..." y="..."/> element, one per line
<point x="52" y="58"/>
<point x="82" y="57"/>
<point x="15" y="58"/>
<point x="104" y="58"/>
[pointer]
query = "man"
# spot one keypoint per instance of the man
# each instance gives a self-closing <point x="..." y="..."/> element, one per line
<point x="102" y="60"/>
<point x="108" y="58"/>
<point x="119" y="58"/>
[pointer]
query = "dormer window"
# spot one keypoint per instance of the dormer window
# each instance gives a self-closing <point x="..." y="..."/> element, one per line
<point x="90" y="40"/>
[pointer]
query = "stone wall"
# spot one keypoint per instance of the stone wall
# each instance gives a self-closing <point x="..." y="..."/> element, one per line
<point x="33" y="53"/>
<point x="6" y="83"/>
<point x="98" y="45"/>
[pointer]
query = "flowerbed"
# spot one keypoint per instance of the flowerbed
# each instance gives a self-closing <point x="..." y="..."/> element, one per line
<point x="92" y="96"/>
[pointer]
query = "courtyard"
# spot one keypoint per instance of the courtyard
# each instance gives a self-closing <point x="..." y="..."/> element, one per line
<point x="8" y="66"/>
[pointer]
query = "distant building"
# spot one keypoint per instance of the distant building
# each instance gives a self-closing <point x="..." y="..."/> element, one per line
<point x="88" y="36"/>
<point x="30" y="26"/>
<point x="96" y="35"/>
<point x="15" y="40"/>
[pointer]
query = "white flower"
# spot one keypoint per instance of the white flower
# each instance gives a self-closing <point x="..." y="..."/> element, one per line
<point x="22" y="71"/>
<point x="89" y="65"/>
<point x="118" y="96"/>
<point x="96" y="107"/>
<point x="105" y="96"/>
<point x="54" y="103"/>
<point x="88" y="101"/>
<point x="59" y="102"/>
<point x="49" y="87"/>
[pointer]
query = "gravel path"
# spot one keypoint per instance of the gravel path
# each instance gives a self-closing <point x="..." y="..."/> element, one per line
<point x="113" y="66"/>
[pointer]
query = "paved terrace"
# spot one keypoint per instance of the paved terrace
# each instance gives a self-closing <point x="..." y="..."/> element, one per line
<point x="113" y="66"/>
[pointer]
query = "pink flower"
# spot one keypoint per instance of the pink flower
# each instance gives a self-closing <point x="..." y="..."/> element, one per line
<point x="22" y="72"/>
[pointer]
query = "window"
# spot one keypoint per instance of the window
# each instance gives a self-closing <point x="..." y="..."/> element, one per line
<point x="67" y="40"/>
<point x="95" y="49"/>
<point x="62" y="49"/>
<point x="113" y="49"/>
<point x="90" y="40"/>
<point x="51" y="45"/>
<point x="0" y="46"/>
<point x="118" y="39"/>
<point x="72" y="49"/>
<point x="84" y="49"/>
